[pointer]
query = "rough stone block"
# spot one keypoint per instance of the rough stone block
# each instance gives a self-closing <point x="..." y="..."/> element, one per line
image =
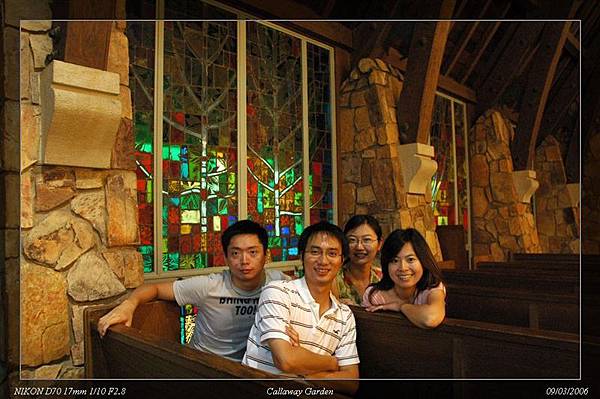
<point x="118" y="56"/>
<point x="36" y="25"/>
<point x="365" y="195"/>
<point x="44" y="315"/>
<point x="25" y="67"/>
<point x="123" y="154"/>
<point x="91" y="206"/>
<point x="53" y="187"/>
<point x="41" y="46"/>
<point x="122" y="210"/>
<point x="91" y="279"/>
<point x="58" y="240"/>
<point x="127" y="265"/>
<point x="346" y="124"/>
<point x="89" y="178"/>
<point x="30" y="136"/>
<point x="361" y="119"/>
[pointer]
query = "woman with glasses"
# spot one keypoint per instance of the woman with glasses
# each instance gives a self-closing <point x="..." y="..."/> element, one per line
<point x="411" y="282"/>
<point x="361" y="269"/>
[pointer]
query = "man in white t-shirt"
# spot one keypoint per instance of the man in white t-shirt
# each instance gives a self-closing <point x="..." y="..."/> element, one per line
<point x="323" y="331"/>
<point x="226" y="301"/>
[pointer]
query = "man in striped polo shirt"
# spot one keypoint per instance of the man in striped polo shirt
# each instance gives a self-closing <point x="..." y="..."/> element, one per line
<point x="325" y="328"/>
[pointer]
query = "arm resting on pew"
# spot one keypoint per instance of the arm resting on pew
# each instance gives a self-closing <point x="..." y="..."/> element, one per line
<point x="429" y="315"/>
<point x="298" y="360"/>
<point x="348" y="376"/>
<point x="123" y="314"/>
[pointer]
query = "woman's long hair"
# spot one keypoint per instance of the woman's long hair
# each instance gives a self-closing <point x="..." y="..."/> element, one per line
<point x="432" y="275"/>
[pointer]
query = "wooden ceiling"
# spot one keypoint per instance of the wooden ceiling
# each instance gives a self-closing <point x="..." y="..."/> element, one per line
<point x="529" y="70"/>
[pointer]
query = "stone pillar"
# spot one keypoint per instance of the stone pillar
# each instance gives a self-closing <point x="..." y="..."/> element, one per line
<point x="373" y="180"/>
<point x="501" y="222"/>
<point x="555" y="214"/>
<point x="78" y="198"/>
<point x="15" y="84"/>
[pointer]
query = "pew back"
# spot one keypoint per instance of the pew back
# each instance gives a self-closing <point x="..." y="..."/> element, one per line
<point x="391" y="347"/>
<point x="150" y="349"/>
<point x="556" y="312"/>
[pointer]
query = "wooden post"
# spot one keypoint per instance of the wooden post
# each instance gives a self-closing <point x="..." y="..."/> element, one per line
<point x="87" y="43"/>
<point x="415" y="105"/>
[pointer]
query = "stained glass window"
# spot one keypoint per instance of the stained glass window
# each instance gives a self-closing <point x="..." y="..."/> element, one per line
<point x="274" y="137"/>
<point x="141" y="84"/>
<point x="449" y="184"/>
<point x="198" y="151"/>
<point x="320" y="134"/>
<point x="199" y="141"/>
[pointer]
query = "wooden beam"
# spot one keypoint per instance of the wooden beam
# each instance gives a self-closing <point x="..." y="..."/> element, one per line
<point x="559" y="103"/>
<point x="445" y="83"/>
<point x="539" y="82"/>
<point x="87" y="43"/>
<point x="415" y="104"/>
<point x="506" y="68"/>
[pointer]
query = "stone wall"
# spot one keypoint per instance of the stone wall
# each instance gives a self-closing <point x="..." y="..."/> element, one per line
<point x="590" y="195"/>
<point x="501" y="223"/>
<point x="556" y="217"/>
<point x="78" y="223"/>
<point x="371" y="169"/>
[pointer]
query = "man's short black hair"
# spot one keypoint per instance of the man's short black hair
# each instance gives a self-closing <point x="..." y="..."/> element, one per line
<point x="327" y="228"/>
<point x="245" y="227"/>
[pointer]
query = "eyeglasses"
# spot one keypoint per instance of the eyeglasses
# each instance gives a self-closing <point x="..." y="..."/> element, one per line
<point x="365" y="241"/>
<point x="316" y="253"/>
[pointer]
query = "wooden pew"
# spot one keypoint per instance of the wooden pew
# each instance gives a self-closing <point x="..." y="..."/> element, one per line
<point x="533" y="266"/>
<point x="517" y="280"/>
<point x="547" y="311"/>
<point x="391" y="347"/>
<point x="150" y="349"/>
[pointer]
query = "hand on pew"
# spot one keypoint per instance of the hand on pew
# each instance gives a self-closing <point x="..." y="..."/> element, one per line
<point x="395" y="306"/>
<point x="122" y="314"/>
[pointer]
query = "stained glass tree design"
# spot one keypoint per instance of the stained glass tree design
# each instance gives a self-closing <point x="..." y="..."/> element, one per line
<point x="274" y="102"/>
<point x="199" y="141"/>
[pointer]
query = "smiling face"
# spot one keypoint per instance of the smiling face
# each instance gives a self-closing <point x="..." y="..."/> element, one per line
<point x="405" y="268"/>
<point x="363" y="245"/>
<point x="246" y="260"/>
<point x="322" y="259"/>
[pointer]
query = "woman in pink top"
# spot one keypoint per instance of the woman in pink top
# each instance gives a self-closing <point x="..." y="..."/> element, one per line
<point x="411" y="282"/>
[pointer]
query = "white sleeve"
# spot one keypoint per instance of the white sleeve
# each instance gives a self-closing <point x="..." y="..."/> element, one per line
<point x="192" y="290"/>
<point x="346" y="352"/>
<point x="273" y="313"/>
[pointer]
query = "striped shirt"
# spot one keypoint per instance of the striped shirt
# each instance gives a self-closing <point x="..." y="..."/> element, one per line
<point x="283" y="302"/>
